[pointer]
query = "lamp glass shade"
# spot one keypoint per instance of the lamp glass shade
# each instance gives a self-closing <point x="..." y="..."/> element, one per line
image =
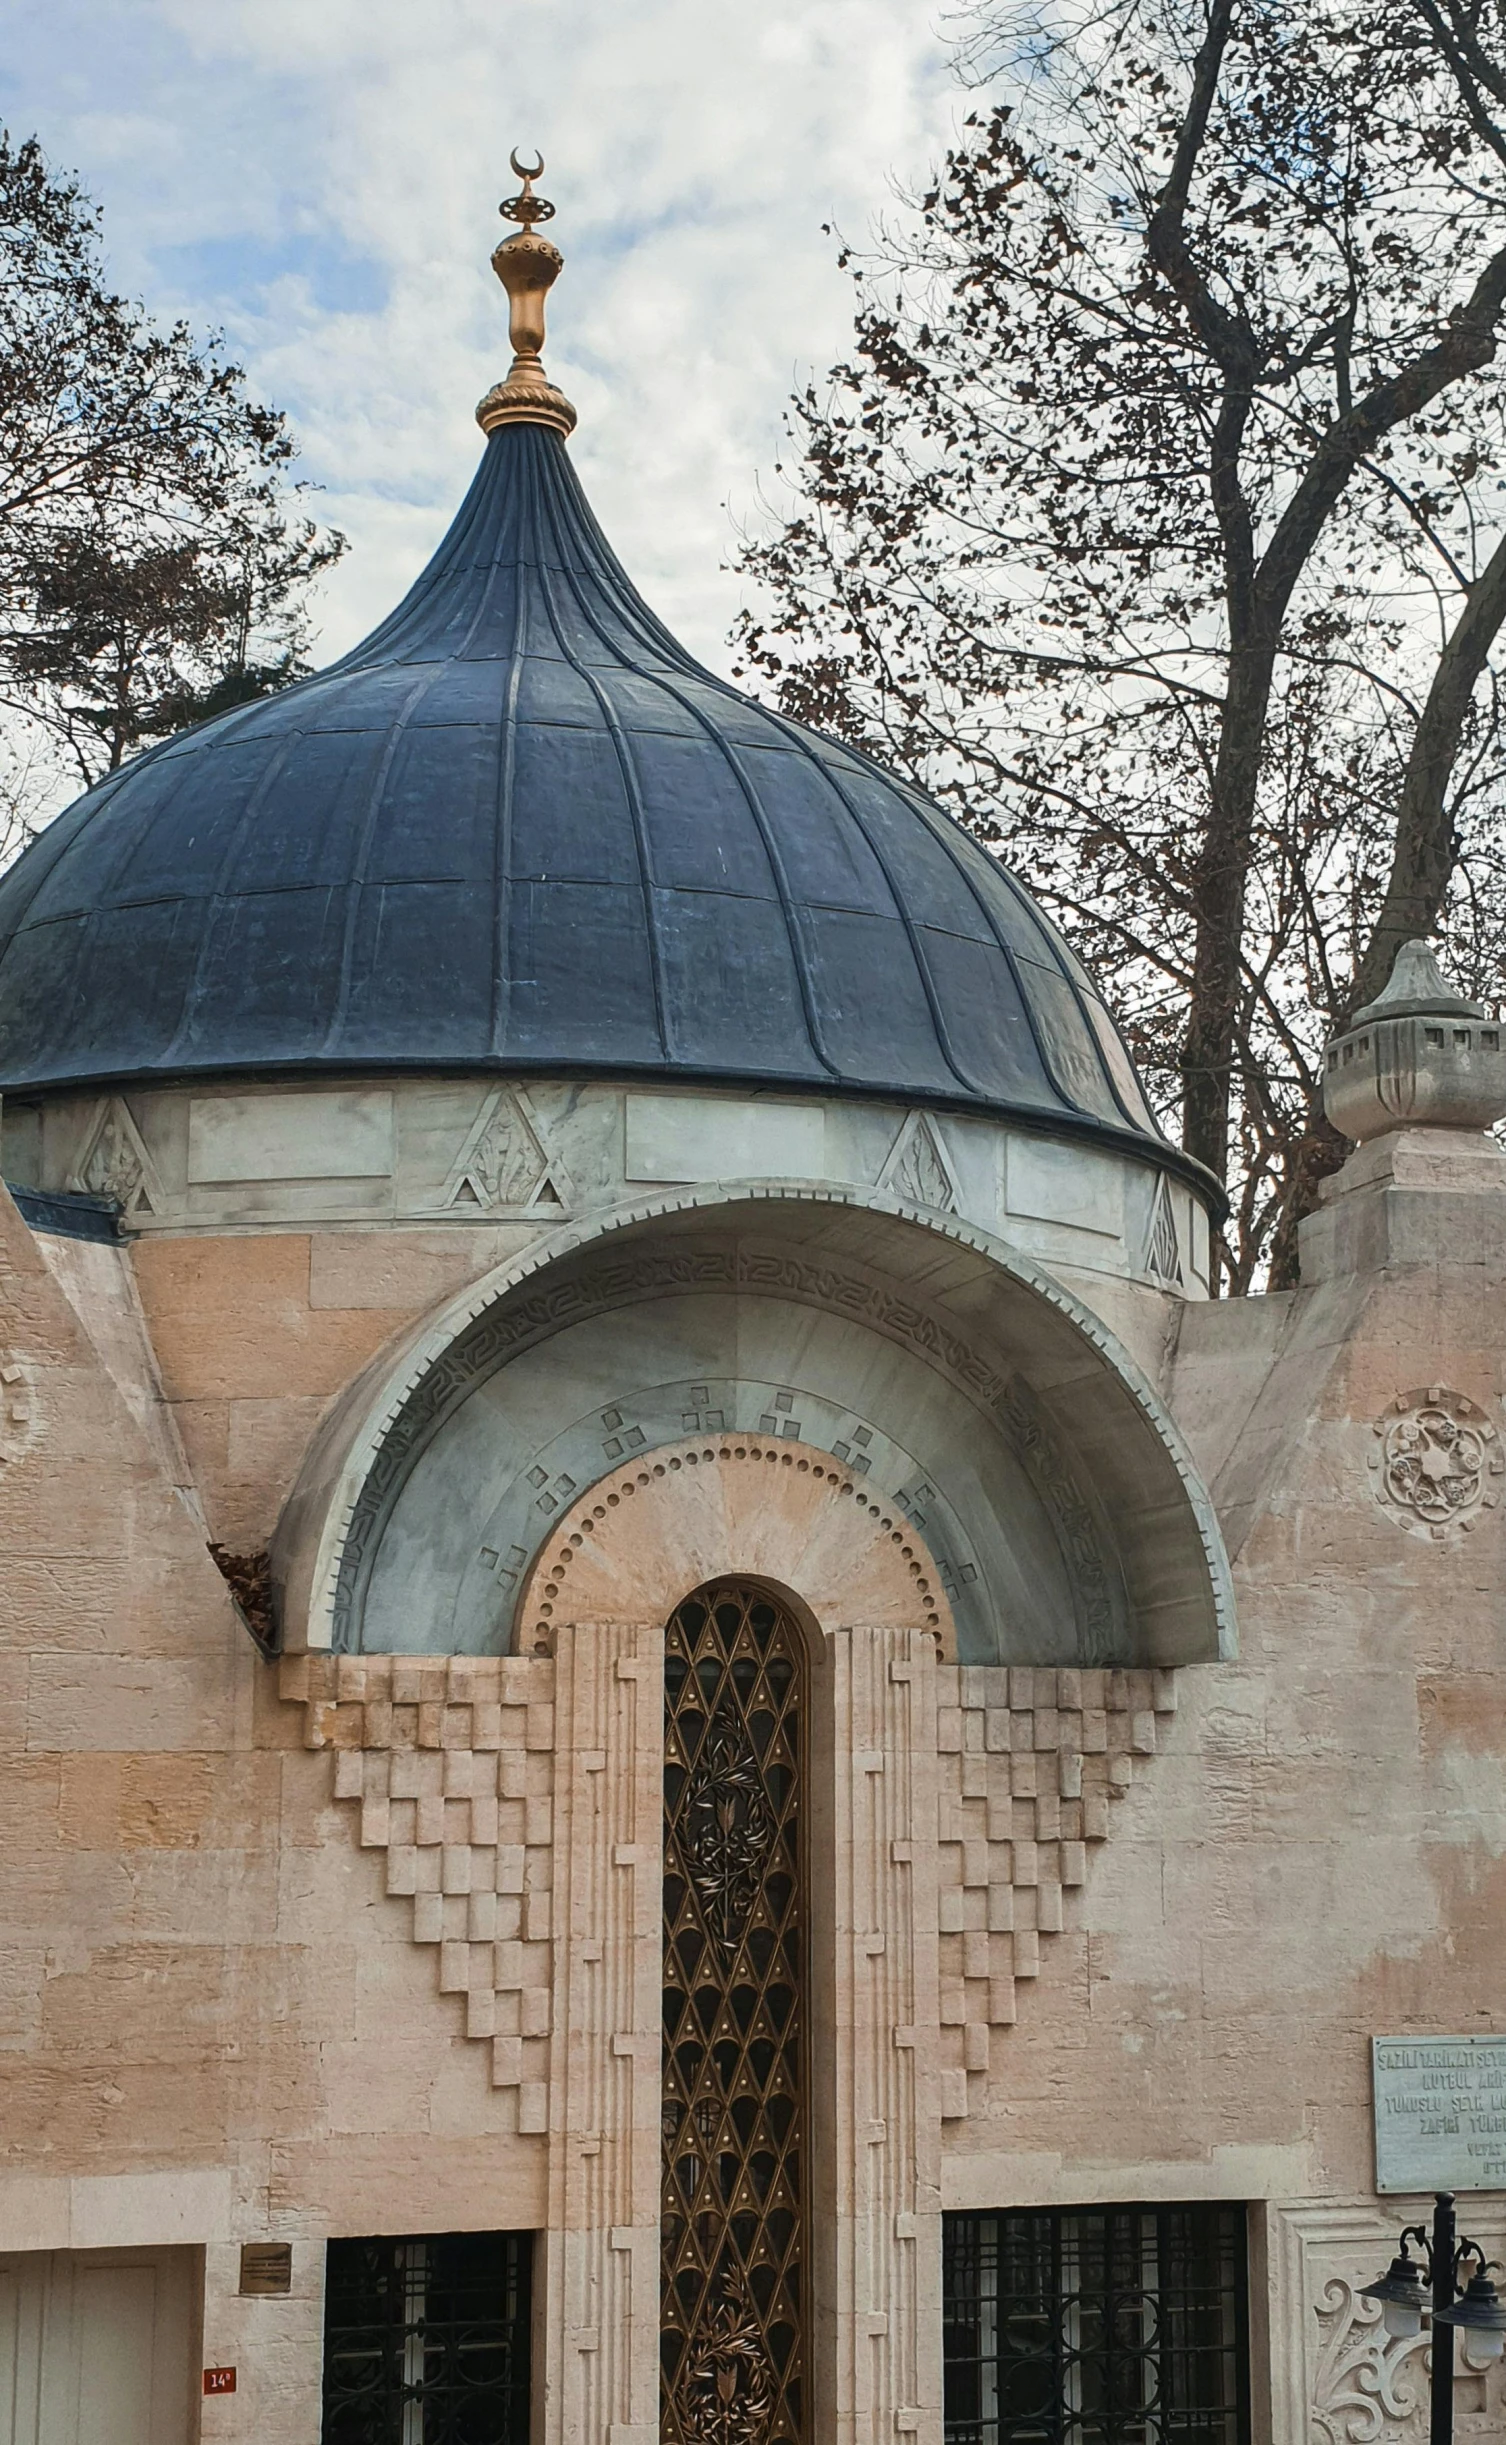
<point x="1399" y="2292"/>
<point x="1402" y="2318"/>
<point x="1479" y="2312"/>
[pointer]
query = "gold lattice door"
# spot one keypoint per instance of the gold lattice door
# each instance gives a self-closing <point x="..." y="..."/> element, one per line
<point x="733" y="2279"/>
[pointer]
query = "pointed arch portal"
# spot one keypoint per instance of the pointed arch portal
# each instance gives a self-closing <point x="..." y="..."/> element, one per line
<point x="734" y="2280"/>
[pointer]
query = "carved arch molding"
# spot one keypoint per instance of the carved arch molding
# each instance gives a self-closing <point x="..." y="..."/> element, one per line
<point x="1065" y="1522"/>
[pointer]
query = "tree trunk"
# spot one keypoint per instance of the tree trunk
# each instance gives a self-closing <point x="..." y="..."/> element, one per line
<point x="1219" y="884"/>
<point x="1423" y="858"/>
<point x="1422" y="861"/>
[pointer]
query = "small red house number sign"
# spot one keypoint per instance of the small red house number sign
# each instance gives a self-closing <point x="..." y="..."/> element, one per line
<point x="219" y="2381"/>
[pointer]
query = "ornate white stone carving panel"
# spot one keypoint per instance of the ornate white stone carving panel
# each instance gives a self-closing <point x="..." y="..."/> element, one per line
<point x="919" y="1168"/>
<point x="1337" y="2377"/>
<point x="506" y="1164"/>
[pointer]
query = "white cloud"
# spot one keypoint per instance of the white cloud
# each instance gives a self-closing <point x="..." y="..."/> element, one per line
<point x="322" y="177"/>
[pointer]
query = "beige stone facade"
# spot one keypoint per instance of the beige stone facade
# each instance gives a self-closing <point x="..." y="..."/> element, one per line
<point x="1158" y="1708"/>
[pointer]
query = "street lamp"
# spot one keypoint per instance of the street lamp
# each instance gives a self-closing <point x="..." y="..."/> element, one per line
<point x="1476" y="2306"/>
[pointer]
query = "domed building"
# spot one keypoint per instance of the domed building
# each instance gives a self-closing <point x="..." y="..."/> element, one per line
<point x="617" y="1468"/>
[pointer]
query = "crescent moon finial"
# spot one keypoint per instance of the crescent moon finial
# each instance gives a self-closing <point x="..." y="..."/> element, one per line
<point x="527" y="207"/>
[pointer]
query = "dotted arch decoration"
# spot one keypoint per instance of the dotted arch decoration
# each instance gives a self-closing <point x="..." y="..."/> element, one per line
<point x="733" y="1505"/>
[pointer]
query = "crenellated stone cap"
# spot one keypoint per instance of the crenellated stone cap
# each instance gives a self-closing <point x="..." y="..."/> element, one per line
<point x="1418" y="1057"/>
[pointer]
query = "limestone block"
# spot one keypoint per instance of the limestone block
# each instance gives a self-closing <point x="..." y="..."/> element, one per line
<point x="109" y="1703"/>
<point x="405" y="1271"/>
<point x="230" y="1320"/>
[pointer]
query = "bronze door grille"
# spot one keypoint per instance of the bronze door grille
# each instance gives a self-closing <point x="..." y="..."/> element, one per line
<point x="732" y="2283"/>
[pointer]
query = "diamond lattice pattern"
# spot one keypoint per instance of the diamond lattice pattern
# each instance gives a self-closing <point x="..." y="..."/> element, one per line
<point x="734" y="2186"/>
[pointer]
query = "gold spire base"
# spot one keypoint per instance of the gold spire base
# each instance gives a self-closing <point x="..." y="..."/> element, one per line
<point x="526" y="402"/>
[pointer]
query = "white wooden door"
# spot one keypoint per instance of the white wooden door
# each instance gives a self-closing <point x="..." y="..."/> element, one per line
<point x="96" y="2347"/>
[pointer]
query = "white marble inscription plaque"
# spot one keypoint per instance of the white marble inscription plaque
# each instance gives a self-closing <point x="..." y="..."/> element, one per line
<point x="704" y="1137"/>
<point x="344" y="1135"/>
<point x="1440" y="2113"/>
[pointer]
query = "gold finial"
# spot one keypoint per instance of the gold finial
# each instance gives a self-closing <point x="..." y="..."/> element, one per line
<point x="527" y="267"/>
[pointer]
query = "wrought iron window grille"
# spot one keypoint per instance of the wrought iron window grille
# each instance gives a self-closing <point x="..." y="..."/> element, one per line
<point x="426" y="2340"/>
<point x="1096" y="2326"/>
<point x="732" y="2294"/>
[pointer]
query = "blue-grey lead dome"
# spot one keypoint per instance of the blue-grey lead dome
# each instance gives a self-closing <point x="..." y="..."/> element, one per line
<point x="519" y="830"/>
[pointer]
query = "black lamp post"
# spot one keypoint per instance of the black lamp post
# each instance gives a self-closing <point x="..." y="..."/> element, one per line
<point x="1476" y="2306"/>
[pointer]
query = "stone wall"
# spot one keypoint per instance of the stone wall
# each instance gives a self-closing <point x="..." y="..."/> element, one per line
<point x="215" y="2025"/>
<point x="238" y="1972"/>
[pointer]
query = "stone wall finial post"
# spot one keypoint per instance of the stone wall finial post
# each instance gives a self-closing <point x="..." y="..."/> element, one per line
<point x="1418" y="1057"/>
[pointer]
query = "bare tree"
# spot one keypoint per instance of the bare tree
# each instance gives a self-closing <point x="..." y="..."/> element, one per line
<point x="154" y="560"/>
<point x="1155" y="520"/>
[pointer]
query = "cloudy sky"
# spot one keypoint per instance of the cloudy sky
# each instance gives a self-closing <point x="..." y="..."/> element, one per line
<point x="320" y="178"/>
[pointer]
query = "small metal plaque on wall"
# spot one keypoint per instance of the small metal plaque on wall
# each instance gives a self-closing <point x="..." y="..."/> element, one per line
<point x="1440" y="2113"/>
<point x="266" y="2267"/>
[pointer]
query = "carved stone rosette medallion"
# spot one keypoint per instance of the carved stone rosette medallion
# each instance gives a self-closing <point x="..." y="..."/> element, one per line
<point x="1435" y="1459"/>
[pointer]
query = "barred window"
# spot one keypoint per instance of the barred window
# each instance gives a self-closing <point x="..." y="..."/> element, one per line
<point x="426" y="2340"/>
<point x="1096" y="2326"/>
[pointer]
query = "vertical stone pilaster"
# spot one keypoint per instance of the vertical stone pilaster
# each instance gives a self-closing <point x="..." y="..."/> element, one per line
<point x="888" y="2110"/>
<point x="601" y="2312"/>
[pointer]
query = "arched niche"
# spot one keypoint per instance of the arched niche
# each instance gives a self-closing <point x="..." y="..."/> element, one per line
<point x="754" y="1507"/>
<point x="964" y="1385"/>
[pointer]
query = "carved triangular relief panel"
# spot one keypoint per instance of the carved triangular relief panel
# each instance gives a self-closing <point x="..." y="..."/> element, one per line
<point x="1163" y="1256"/>
<point x="919" y="1169"/>
<point x="1031" y="1763"/>
<point x="450" y="1761"/>
<point x="506" y="1164"/>
<point x="113" y="1162"/>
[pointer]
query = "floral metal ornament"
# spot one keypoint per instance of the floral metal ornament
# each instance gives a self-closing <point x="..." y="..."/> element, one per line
<point x="1435" y="1457"/>
<point x="726" y="2392"/>
<point x="728" y="1828"/>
